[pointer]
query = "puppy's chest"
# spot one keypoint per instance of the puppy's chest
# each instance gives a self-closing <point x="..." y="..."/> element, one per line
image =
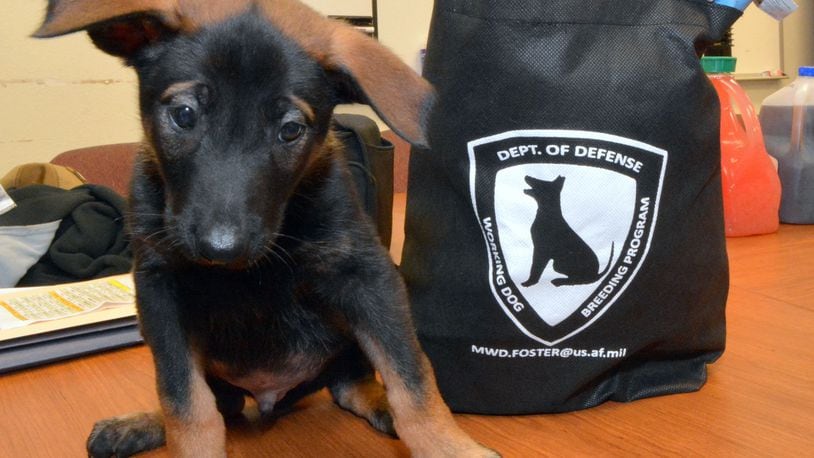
<point x="268" y="354"/>
<point x="264" y="338"/>
<point x="264" y="332"/>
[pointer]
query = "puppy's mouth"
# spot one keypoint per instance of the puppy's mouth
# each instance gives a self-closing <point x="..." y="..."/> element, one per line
<point x="236" y="264"/>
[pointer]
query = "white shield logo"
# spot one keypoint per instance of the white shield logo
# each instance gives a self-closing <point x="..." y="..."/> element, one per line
<point x="567" y="217"/>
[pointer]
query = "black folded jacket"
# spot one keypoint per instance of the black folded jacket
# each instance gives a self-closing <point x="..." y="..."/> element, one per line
<point x="90" y="242"/>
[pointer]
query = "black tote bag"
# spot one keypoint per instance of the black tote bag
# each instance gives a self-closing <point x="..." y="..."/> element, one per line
<point x="564" y="234"/>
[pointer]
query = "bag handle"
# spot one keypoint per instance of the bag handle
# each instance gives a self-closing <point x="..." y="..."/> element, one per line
<point x="798" y="121"/>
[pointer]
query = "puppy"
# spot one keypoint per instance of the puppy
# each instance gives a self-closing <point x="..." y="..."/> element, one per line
<point x="256" y="271"/>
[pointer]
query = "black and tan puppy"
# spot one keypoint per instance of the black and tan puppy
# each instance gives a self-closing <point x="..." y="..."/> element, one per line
<point x="257" y="272"/>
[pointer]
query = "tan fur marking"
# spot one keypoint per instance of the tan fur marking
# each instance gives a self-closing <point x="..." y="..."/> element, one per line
<point x="306" y="109"/>
<point x="364" y="398"/>
<point x="200" y="431"/>
<point x="152" y="422"/>
<point x="330" y="146"/>
<point x="176" y="89"/>
<point x="422" y="420"/>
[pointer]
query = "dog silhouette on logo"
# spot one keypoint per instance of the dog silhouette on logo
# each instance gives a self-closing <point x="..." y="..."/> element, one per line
<point x="554" y="239"/>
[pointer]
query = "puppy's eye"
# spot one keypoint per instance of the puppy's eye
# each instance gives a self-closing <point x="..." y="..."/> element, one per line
<point x="290" y="131"/>
<point x="184" y="116"/>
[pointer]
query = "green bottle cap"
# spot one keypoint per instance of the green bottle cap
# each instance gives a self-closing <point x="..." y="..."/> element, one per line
<point x="718" y="64"/>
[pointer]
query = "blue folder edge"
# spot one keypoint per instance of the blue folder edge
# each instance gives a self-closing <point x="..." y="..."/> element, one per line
<point x="63" y="344"/>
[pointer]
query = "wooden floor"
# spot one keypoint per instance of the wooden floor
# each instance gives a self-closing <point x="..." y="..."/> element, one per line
<point x="759" y="400"/>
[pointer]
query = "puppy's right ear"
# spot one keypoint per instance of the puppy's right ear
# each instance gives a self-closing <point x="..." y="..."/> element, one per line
<point x="118" y="27"/>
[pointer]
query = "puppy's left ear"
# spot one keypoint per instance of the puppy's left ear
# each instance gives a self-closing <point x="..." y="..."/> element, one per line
<point x="120" y="27"/>
<point x="67" y="16"/>
<point x="369" y="72"/>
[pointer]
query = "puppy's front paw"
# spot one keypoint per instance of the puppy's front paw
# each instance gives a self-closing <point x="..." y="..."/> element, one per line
<point x="126" y="435"/>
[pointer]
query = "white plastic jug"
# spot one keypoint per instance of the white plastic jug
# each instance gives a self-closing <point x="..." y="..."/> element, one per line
<point x="787" y="118"/>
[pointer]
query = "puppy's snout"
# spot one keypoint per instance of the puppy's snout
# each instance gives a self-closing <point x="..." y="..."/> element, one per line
<point x="221" y="244"/>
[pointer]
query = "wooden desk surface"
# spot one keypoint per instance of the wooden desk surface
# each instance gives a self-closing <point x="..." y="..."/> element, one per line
<point x="759" y="400"/>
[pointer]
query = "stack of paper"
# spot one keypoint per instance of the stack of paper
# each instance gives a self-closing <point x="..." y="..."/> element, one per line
<point x="39" y="325"/>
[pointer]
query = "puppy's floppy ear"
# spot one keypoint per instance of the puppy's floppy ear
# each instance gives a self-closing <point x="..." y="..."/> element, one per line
<point x="375" y="75"/>
<point x="119" y="27"/>
<point x="366" y="72"/>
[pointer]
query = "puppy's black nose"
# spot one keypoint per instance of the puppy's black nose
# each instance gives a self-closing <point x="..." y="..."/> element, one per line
<point x="221" y="244"/>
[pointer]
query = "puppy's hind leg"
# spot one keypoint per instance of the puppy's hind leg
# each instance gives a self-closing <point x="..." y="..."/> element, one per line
<point x="355" y="388"/>
<point x="229" y="399"/>
<point x="126" y="435"/>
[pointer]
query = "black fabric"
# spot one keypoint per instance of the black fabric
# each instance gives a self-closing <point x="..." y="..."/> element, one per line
<point x="632" y="248"/>
<point x="90" y="241"/>
<point x="371" y="163"/>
